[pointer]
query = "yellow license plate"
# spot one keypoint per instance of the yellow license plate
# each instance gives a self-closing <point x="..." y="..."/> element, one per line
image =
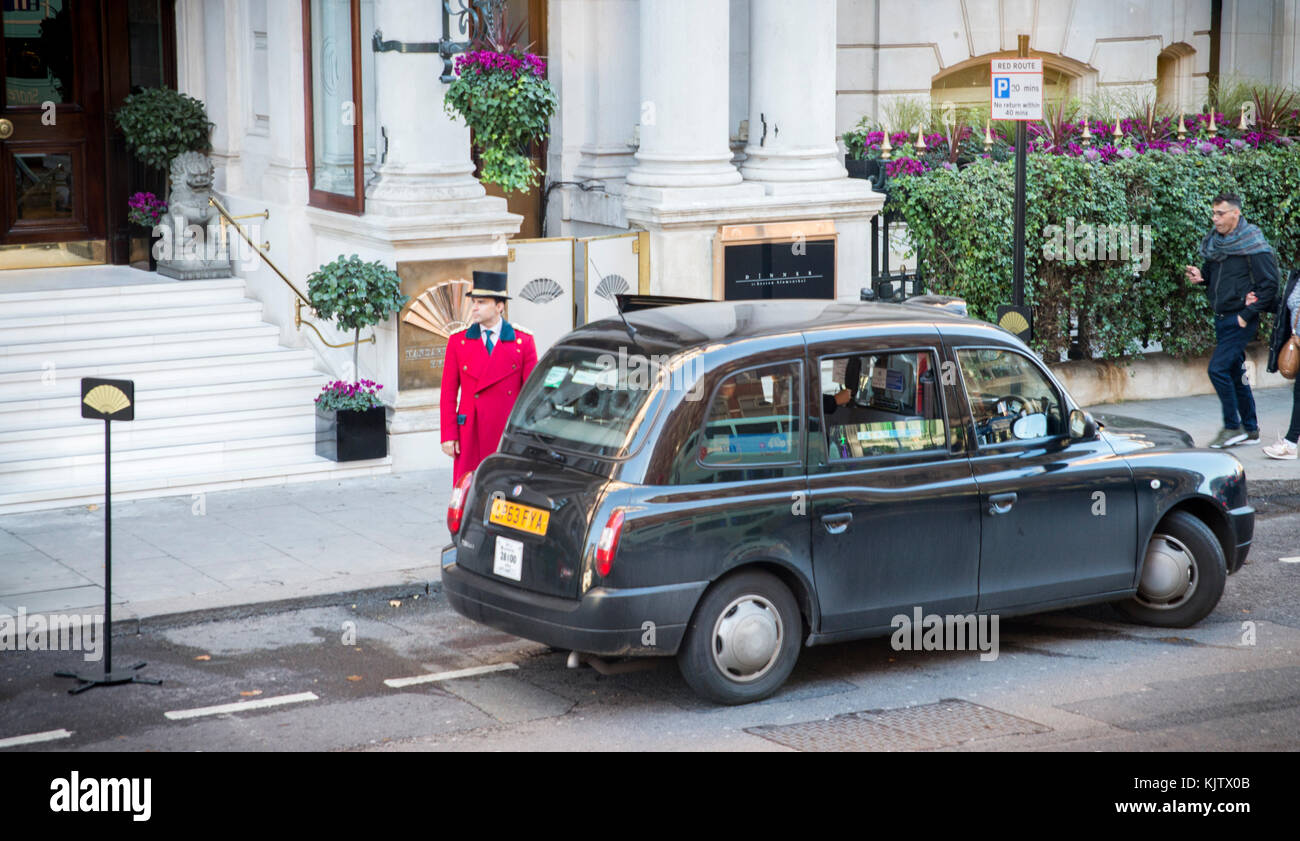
<point x="516" y="516"/>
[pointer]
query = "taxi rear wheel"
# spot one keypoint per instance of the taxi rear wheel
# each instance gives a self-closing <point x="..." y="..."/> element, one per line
<point x="1183" y="575"/>
<point x="743" y="640"/>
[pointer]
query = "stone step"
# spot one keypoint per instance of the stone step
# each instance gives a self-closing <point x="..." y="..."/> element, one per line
<point x="40" y="356"/>
<point x="154" y="322"/>
<point x="66" y="381"/>
<point x="88" y="438"/>
<point x="121" y="297"/>
<point x="174" y="401"/>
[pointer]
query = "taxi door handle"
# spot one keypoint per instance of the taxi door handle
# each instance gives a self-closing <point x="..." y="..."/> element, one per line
<point x="1001" y="503"/>
<point x="837" y="523"/>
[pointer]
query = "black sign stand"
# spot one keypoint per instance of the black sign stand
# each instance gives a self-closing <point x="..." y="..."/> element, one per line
<point x="1023" y="319"/>
<point x="111" y="400"/>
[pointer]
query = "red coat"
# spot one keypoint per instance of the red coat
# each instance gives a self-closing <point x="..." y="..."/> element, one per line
<point x="488" y="387"/>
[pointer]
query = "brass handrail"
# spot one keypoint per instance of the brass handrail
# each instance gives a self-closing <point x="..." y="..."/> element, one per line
<point x="298" y="320"/>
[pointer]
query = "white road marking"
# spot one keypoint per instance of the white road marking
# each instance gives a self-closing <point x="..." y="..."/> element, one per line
<point x="1294" y="559"/>
<point x="242" y="706"/>
<point x="32" y="738"/>
<point x="399" y="682"/>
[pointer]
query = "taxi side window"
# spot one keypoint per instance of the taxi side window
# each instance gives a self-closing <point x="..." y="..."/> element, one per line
<point x="1010" y="398"/>
<point x="881" y="403"/>
<point x="753" y="419"/>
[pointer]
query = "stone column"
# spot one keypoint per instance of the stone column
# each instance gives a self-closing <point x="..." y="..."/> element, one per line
<point x="428" y="158"/>
<point x="792" y="93"/>
<point x="684" y="97"/>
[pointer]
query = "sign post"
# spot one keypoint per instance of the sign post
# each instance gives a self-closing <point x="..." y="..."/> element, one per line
<point x="111" y="400"/>
<point x="1016" y="93"/>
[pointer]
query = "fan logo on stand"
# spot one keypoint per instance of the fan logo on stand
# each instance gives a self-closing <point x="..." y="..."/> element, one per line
<point x="107" y="399"/>
<point x="541" y="290"/>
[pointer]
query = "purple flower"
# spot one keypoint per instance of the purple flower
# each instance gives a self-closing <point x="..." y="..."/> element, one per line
<point x="1126" y="153"/>
<point x="1205" y="148"/>
<point x="1092" y="155"/>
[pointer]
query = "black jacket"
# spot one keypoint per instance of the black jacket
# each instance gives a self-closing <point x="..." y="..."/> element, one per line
<point x="1228" y="281"/>
<point x="1282" y="324"/>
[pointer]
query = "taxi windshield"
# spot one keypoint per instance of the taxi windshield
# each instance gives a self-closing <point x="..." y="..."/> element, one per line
<point x="585" y="400"/>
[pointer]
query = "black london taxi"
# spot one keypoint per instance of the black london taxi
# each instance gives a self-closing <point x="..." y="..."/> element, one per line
<point x="724" y="482"/>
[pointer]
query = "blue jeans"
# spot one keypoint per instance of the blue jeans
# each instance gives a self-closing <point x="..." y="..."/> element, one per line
<point x="1227" y="371"/>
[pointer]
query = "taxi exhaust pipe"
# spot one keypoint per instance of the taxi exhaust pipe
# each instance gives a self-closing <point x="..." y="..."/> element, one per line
<point x="605" y="667"/>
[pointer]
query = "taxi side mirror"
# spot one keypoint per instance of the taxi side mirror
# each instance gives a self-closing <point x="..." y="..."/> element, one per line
<point x="1082" y="426"/>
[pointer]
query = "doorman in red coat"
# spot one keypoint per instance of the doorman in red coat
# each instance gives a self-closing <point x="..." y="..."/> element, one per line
<point x="484" y="370"/>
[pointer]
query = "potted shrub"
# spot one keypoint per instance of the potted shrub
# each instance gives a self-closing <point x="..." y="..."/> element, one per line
<point x="145" y="211"/>
<point x="160" y="123"/>
<point x="355" y="294"/>
<point x="350" y="421"/>
<point x="501" y="93"/>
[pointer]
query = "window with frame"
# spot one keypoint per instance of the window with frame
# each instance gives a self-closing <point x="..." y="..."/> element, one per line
<point x="339" y="80"/>
<point x="881" y="403"/>
<point x="1010" y="398"/>
<point x="754" y="419"/>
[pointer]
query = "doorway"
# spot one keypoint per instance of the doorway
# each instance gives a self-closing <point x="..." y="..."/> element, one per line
<point x="65" y="173"/>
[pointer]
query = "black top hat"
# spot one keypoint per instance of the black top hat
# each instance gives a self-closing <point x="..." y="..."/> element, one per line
<point x="489" y="285"/>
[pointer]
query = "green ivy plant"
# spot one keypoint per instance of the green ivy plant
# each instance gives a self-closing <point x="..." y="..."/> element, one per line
<point x="355" y="294"/>
<point x="503" y="96"/>
<point x="160" y="123"/>
<point x="961" y="220"/>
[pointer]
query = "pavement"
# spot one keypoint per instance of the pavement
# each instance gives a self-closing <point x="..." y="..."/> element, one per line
<point x="225" y="554"/>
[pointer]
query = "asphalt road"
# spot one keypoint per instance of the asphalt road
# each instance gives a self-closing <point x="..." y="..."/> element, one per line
<point x="1072" y="680"/>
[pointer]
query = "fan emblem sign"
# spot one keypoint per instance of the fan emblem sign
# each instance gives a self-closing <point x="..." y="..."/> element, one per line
<point x="107" y="400"/>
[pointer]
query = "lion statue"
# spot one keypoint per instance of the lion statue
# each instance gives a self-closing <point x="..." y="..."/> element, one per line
<point x="191" y="247"/>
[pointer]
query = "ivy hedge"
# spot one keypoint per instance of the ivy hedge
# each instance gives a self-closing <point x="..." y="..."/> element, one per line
<point x="1080" y="210"/>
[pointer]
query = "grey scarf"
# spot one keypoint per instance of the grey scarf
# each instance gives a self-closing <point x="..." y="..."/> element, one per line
<point x="1244" y="239"/>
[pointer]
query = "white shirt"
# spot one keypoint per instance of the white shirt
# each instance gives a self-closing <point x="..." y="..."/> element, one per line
<point x="496" y="332"/>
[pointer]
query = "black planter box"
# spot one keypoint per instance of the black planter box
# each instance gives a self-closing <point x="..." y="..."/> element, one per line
<point x="350" y="434"/>
<point x="860" y="168"/>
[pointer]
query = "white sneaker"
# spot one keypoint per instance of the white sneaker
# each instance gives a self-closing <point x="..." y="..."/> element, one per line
<point x="1283" y="449"/>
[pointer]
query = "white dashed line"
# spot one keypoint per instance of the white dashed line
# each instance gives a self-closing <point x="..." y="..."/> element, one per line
<point x="242" y="706"/>
<point x="1294" y="559"/>
<point x="33" y="738"/>
<point x="399" y="682"/>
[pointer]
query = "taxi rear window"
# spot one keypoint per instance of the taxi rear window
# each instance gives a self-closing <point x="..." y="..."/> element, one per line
<point x="584" y="400"/>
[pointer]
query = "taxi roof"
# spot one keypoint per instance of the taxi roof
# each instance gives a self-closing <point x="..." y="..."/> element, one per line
<point x="668" y="329"/>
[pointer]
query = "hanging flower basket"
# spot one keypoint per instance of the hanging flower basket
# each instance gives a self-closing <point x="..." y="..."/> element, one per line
<point x="503" y="96"/>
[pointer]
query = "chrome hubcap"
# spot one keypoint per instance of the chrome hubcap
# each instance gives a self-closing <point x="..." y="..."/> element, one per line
<point x="747" y="638"/>
<point x="1169" y="574"/>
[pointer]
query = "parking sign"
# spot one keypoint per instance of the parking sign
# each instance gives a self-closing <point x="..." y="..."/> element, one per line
<point x="1016" y="89"/>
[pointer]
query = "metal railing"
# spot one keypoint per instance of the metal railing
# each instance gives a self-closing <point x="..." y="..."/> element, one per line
<point x="300" y="300"/>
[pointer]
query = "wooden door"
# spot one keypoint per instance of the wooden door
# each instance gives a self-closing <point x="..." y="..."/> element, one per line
<point x="51" y="95"/>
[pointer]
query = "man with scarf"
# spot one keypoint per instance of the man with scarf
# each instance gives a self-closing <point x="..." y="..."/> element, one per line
<point x="1238" y="261"/>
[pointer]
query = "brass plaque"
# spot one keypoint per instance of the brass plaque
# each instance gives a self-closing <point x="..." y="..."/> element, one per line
<point x="438" y="308"/>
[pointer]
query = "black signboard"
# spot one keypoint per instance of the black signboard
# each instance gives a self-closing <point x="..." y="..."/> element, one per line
<point x="107" y="399"/>
<point x="1017" y="320"/>
<point x="768" y="270"/>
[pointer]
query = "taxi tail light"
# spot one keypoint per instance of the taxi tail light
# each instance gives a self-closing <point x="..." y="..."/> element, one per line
<point x="459" y="496"/>
<point x="608" y="544"/>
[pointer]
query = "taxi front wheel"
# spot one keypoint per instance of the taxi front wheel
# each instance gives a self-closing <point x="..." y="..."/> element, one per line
<point x="743" y="640"/>
<point x="1183" y="575"/>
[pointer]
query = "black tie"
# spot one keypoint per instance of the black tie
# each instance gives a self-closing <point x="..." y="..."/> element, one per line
<point x="489" y="342"/>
